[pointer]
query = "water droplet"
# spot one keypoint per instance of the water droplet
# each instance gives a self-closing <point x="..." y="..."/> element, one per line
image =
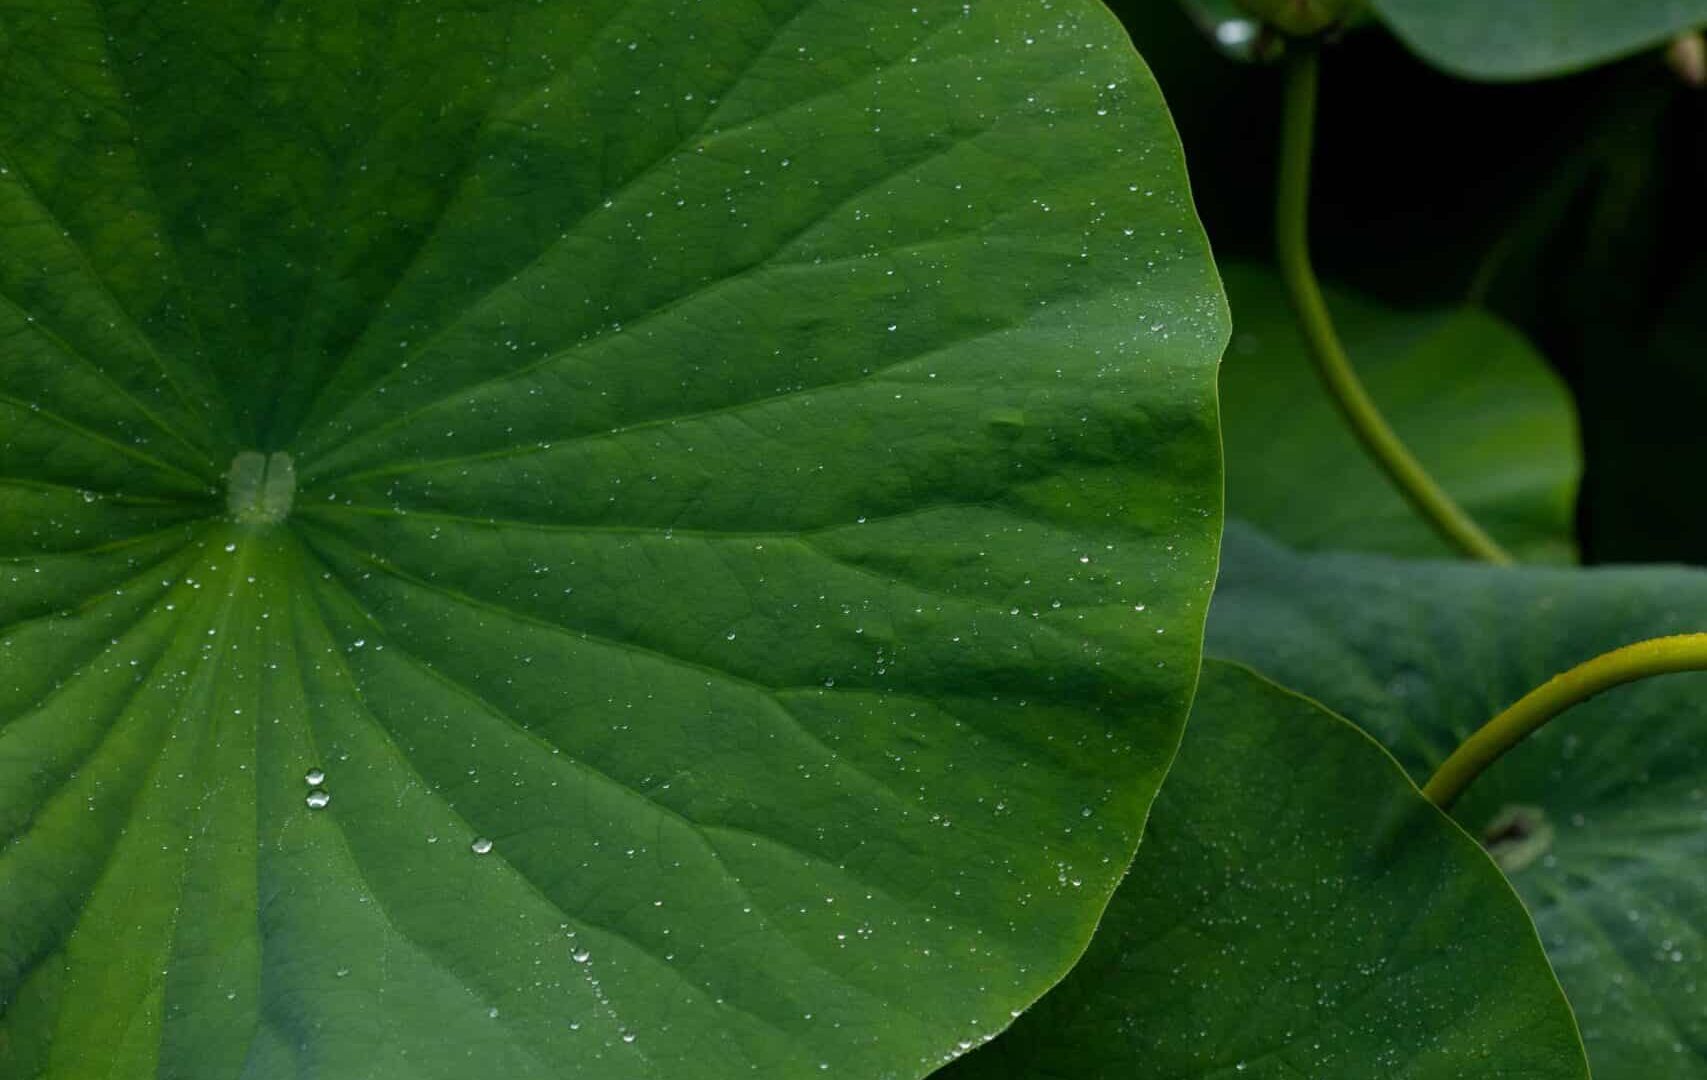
<point x="628" y="1036"/>
<point x="1236" y="32"/>
<point x="480" y="846"/>
<point x="580" y="956"/>
<point x="314" y="777"/>
<point x="317" y="799"/>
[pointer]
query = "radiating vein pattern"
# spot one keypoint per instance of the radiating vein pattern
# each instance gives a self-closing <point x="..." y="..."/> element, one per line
<point x="744" y="483"/>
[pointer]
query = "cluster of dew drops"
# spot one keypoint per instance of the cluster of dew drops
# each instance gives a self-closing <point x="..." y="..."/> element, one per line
<point x="318" y="799"/>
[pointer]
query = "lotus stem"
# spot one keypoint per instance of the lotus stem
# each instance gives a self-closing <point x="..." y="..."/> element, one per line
<point x="1656" y="656"/>
<point x="1292" y="246"/>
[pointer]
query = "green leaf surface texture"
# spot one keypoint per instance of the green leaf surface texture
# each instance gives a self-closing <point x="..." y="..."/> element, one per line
<point x="1600" y="818"/>
<point x="1533" y="39"/>
<point x="1469" y="396"/>
<point x="1297" y="909"/>
<point x="582" y="539"/>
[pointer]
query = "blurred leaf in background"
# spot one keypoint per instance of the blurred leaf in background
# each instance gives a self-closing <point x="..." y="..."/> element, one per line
<point x="1531" y="39"/>
<point x="1480" y="408"/>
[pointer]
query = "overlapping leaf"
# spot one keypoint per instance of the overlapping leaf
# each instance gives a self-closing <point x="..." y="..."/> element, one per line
<point x="1297" y="909"/>
<point x="718" y="500"/>
<point x="1599" y="819"/>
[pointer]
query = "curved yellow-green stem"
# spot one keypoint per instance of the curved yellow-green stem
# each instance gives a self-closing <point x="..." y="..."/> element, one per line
<point x="1344" y="387"/>
<point x="1657" y="656"/>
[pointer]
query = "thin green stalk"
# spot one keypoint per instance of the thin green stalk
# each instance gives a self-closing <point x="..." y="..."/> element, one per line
<point x="1344" y="387"/>
<point x="1657" y="656"/>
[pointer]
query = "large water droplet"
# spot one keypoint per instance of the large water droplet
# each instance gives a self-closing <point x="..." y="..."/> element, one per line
<point x="317" y="799"/>
<point x="480" y="846"/>
<point x="259" y="488"/>
<point x="314" y="777"/>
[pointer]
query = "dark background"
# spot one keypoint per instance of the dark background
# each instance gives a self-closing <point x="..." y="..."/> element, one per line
<point x="1572" y="207"/>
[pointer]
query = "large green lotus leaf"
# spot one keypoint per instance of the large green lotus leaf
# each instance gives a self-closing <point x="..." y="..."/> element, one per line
<point x="1532" y="39"/>
<point x="725" y="492"/>
<point x="1467" y="393"/>
<point x="1297" y="909"/>
<point x="1600" y="819"/>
